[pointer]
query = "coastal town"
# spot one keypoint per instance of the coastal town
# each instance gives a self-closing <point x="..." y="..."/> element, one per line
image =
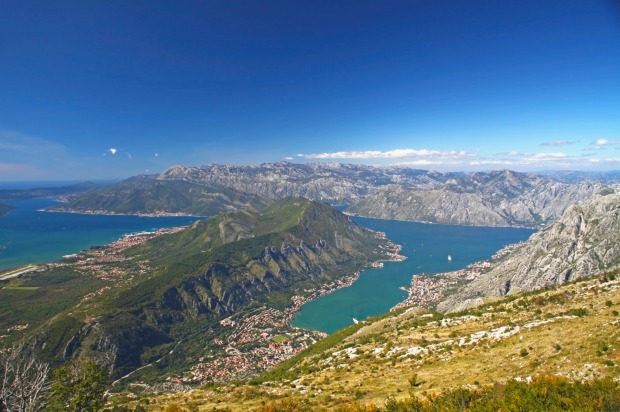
<point x="154" y="213"/>
<point x="249" y="344"/>
<point x="105" y="263"/>
<point x="254" y="343"/>
<point x="242" y="345"/>
<point x="428" y="289"/>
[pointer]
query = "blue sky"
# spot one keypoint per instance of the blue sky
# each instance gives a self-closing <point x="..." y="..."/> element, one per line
<point x="110" y="89"/>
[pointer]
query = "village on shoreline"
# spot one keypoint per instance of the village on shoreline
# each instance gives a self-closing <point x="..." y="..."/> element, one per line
<point x="246" y="344"/>
<point x="159" y="213"/>
<point x="428" y="289"/>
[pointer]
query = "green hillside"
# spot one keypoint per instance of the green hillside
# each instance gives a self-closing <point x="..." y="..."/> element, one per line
<point x="138" y="301"/>
<point x="146" y="194"/>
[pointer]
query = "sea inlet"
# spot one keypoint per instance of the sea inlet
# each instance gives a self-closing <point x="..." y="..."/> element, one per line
<point x="28" y="235"/>
<point x="427" y="247"/>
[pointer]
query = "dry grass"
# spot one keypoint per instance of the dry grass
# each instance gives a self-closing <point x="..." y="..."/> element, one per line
<point x="571" y="331"/>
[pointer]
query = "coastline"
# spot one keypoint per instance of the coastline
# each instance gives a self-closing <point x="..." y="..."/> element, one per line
<point x="428" y="290"/>
<point x="108" y="213"/>
<point x="254" y="340"/>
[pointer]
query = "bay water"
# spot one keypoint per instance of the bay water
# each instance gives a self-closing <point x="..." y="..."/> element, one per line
<point x="28" y="235"/>
<point x="427" y="247"/>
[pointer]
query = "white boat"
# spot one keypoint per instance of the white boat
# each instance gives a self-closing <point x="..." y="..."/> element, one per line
<point x="356" y="321"/>
<point x="449" y="258"/>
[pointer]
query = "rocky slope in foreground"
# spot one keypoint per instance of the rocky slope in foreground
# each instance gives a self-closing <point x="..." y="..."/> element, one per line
<point x="570" y="332"/>
<point x="583" y="242"/>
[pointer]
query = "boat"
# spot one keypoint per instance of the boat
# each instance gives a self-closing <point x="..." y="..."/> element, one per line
<point x="449" y="258"/>
<point x="356" y="321"/>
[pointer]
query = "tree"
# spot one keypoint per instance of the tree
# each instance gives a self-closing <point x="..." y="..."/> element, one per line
<point x="23" y="381"/>
<point x="78" y="386"/>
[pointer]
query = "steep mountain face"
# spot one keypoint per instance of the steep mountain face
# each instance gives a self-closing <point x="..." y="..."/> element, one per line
<point x="583" y="242"/>
<point x="214" y="269"/>
<point x="483" y="199"/>
<point x="498" y="198"/>
<point x="334" y="183"/>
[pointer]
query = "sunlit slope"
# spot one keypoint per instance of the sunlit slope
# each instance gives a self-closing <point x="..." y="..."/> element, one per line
<point x="159" y="295"/>
<point x="583" y="242"/>
<point x="571" y="331"/>
<point x="145" y="194"/>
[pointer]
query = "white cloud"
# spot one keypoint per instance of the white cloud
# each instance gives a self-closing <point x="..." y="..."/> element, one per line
<point x="605" y="142"/>
<point x="461" y="160"/>
<point x="390" y="154"/>
<point x="511" y="154"/>
<point x="486" y="162"/>
<point x="610" y="161"/>
<point x="288" y="158"/>
<point x="546" y="156"/>
<point x="557" y="143"/>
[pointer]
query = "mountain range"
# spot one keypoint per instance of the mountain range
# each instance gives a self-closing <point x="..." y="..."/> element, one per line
<point x="498" y="198"/>
<point x="543" y="314"/>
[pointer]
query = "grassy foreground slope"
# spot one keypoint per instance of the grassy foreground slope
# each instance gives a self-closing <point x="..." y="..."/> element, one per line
<point x="570" y="333"/>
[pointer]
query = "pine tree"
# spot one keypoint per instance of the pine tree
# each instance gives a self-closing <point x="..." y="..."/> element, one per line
<point x="78" y="387"/>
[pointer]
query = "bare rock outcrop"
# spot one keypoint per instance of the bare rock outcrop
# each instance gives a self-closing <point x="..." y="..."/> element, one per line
<point x="583" y="242"/>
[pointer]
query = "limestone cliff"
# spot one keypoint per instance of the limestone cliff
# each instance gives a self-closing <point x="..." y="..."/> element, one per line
<point x="583" y="242"/>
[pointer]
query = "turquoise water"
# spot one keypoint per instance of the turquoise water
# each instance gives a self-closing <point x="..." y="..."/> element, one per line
<point x="427" y="247"/>
<point x="30" y="236"/>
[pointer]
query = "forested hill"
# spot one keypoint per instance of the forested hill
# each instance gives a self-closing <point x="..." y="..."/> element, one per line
<point x="129" y="307"/>
<point x="147" y="195"/>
